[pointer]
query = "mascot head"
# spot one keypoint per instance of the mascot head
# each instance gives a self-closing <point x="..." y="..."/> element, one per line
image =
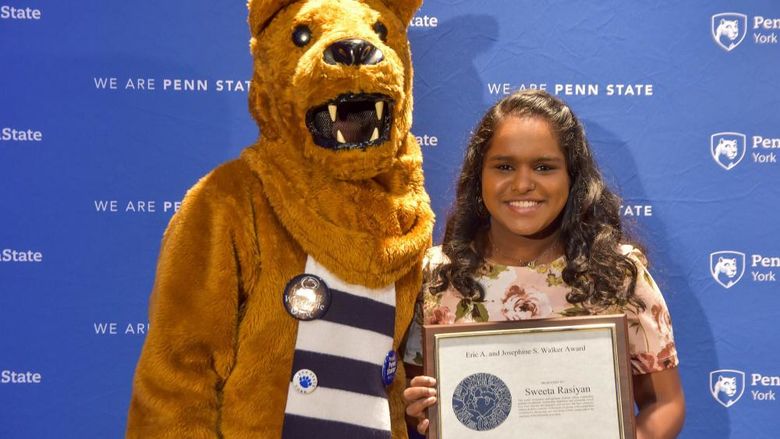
<point x="332" y="93"/>
<point x="332" y="81"/>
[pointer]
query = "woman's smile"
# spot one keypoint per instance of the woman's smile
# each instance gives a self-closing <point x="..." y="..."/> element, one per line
<point x="523" y="206"/>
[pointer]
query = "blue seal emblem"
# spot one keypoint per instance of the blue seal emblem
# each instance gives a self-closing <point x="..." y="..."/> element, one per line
<point x="482" y="401"/>
<point x="389" y="368"/>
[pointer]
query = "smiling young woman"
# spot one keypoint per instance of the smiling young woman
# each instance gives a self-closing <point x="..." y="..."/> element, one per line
<point x="536" y="233"/>
<point x="525" y="187"/>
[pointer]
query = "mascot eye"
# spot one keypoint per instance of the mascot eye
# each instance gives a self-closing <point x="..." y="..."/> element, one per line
<point x="301" y="35"/>
<point x="380" y="30"/>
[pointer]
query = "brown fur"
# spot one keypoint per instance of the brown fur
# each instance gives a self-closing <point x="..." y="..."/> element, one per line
<point x="217" y="360"/>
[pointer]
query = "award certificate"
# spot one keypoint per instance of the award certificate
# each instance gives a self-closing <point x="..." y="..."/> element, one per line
<point x="540" y="379"/>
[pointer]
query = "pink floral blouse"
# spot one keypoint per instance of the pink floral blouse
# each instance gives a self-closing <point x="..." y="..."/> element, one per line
<point x="521" y="293"/>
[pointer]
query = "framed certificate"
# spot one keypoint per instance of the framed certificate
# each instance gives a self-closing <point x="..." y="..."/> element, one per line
<point x="542" y="379"/>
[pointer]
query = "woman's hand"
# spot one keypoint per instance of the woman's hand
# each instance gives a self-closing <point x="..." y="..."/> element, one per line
<point x="418" y="397"/>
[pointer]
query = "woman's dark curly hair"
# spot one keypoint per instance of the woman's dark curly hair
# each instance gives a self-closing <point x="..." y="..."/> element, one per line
<point x="590" y="226"/>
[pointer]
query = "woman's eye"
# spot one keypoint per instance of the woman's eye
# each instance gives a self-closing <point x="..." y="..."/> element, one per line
<point x="544" y="168"/>
<point x="504" y="167"/>
<point x="301" y="35"/>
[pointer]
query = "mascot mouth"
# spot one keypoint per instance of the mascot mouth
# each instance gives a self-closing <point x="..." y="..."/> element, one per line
<point x="351" y="121"/>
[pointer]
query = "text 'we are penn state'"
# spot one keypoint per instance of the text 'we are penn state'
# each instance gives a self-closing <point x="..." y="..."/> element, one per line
<point x="575" y="89"/>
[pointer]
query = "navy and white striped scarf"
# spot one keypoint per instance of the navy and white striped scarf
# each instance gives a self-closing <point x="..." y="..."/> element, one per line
<point x="346" y="348"/>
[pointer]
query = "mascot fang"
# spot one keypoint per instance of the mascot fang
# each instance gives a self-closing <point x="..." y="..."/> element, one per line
<point x="287" y="279"/>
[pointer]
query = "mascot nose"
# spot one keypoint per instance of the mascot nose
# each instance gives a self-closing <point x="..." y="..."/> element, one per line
<point x="353" y="52"/>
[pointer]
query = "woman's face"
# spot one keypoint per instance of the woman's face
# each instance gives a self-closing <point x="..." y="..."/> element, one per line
<point x="525" y="183"/>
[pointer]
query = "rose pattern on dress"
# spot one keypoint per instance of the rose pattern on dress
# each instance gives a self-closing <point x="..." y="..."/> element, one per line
<point x="442" y="315"/>
<point x="662" y="319"/>
<point x="518" y="304"/>
<point x="667" y="356"/>
<point x="644" y="362"/>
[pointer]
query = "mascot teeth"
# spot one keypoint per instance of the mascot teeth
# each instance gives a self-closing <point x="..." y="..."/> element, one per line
<point x="351" y="121"/>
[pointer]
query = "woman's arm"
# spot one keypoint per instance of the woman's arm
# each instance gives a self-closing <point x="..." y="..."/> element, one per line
<point x="661" y="403"/>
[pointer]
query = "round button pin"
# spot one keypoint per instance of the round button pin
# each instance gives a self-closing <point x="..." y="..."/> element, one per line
<point x="306" y="297"/>
<point x="305" y="381"/>
<point x="389" y="367"/>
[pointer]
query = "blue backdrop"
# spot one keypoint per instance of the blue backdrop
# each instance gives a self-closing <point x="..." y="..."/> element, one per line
<point x="110" y="110"/>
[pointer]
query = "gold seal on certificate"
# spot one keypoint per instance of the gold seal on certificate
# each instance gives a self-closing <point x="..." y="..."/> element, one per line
<point x="543" y="379"/>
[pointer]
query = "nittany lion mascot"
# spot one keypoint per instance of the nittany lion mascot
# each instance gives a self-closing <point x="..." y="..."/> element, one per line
<point x="287" y="279"/>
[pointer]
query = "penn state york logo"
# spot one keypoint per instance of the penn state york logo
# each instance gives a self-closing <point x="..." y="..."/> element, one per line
<point x="482" y="401"/>
<point x="727" y="386"/>
<point x="728" y="149"/>
<point x="729" y="29"/>
<point x="727" y="267"/>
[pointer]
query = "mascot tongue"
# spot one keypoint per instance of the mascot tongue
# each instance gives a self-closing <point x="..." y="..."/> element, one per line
<point x="356" y="126"/>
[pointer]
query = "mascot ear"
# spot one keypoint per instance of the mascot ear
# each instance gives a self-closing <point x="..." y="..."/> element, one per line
<point x="405" y="9"/>
<point x="262" y="11"/>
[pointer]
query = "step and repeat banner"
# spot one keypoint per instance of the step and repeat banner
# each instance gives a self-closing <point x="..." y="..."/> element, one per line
<point x="110" y="110"/>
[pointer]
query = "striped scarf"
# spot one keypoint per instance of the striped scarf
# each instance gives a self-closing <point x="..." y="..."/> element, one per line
<point x="346" y="349"/>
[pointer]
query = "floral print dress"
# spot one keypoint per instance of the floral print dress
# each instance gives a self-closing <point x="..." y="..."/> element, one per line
<point x="522" y="293"/>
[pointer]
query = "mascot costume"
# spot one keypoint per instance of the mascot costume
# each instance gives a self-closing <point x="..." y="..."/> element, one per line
<point x="288" y="277"/>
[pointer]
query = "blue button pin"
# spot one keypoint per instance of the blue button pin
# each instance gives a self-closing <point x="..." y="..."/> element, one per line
<point x="389" y="368"/>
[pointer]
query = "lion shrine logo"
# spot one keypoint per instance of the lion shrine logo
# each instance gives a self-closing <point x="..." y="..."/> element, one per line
<point x="729" y="29"/>
<point x="727" y="386"/>
<point x="728" y="149"/>
<point x="727" y="267"/>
